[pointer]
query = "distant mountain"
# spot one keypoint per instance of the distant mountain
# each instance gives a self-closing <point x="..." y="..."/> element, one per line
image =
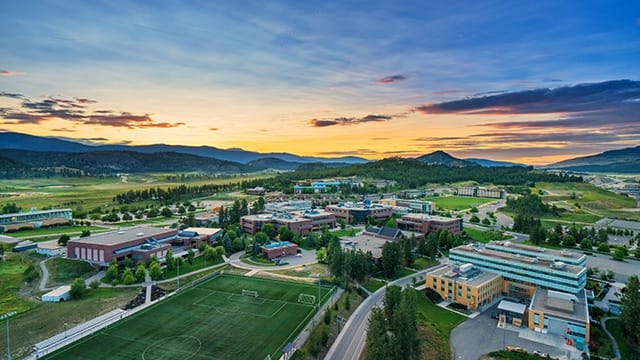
<point x="273" y="163"/>
<point x="442" y="158"/>
<point x="101" y="162"/>
<point x="11" y="140"/>
<point x="492" y="163"/>
<point x="621" y="161"/>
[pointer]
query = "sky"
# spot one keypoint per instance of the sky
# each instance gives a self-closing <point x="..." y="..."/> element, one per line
<point x="526" y="81"/>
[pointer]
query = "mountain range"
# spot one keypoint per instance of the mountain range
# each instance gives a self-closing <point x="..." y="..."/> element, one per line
<point x="23" y="151"/>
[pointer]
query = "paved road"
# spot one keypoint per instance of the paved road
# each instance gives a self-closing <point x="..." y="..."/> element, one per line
<point x="308" y="257"/>
<point x="45" y="275"/>
<point x="351" y="340"/>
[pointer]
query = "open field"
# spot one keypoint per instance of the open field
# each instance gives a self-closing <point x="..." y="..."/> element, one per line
<point x="89" y="192"/>
<point x="458" y="202"/>
<point x="12" y="270"/>
<point x="211" y="320"/>
<point x="592" y="201"/>
<point x="47" y="319"/>
<point x="70" y="230"/>
<point x="484" y="236"/>
<point x="64" y="271"/>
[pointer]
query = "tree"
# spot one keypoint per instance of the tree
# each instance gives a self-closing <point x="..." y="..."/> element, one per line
<point x="85" y="233"/>
<point x="94" y="284"/>
<point x="127" y="276"/>
<point x="190" y="256"/>
<point x="391" y="223"/>
<point x="377" y="343"/>
<point x="630" y="311"/>
<point x="166" y="212"/>
<point x="569" y="241"/>
<point x="486" y="222"/>
<point x="63" y="239"/>
<point x="269" y="230"/>
<point x="169" y="260"/>
<point x="391" y="259"/>
<point x="603" y="247"/>
<point x="474" y="219"/>
<point x="112" y="271"/>
<point x="585" y="244"/>
<point x="342" y="224"/>
<point x="155" y="271"/>
<point x="261" y="238"/>
<point x="618" y="254"/>
<point x="321" y="255"/>
<point x="139" y="274"/>
<point x="78" y="288"/>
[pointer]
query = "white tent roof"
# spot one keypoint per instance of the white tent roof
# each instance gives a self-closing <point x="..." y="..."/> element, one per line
<point x="512" y="307"/>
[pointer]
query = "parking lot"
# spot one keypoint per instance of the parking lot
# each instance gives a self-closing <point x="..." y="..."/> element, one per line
<point x="479" y="336"/>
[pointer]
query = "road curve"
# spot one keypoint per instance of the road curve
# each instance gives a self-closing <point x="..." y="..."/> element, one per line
<point x="350" y="342"/>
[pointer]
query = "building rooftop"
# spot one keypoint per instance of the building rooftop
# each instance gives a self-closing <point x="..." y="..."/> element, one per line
<point x="562" y="305"/>
<point x="364" y="243"/>
<point x="35" y="212"/>
<point x="536" y="251"/>
<point x="420" y="217"/>
<point x="529" y="260"/>
<point x="358" y="206"/>
<point x="122" y="236"/>
<point x="474" y="277"/>
<point x="59" y="291"/>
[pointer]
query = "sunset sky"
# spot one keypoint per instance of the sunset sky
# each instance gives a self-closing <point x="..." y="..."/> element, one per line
<point x="527" y="81"/>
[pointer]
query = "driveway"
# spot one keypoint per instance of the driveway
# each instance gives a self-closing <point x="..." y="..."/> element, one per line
<point x="308" y="257"/>
<point x="476" y="337"/>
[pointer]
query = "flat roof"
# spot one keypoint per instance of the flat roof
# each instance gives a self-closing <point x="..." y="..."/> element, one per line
<point x="478" y="278"/>
<point x="364" y="243"/>
<point x="538" y="251"/>
<point x="529" y="260"/>
<point x="36" y="212"/>
<point x="427" y="217"/>
<point x="59" y="291"/>
<point x="512" y="307"/>
<point x="49" y="246"/>
<point x="562" y="305"/>
<point x="122" y="236"/>
<point x="203" y="230"/>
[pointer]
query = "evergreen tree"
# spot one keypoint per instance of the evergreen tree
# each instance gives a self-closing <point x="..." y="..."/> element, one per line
<point x="630" y="312"/>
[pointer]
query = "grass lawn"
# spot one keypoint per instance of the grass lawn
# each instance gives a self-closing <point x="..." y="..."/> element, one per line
<point x="211" y="320"/>
<point x="423" y="263"/>
<point x="458" y="202"/>
<point x="373" y="284"/>
<point x="345" y="232"/>
<point x="91" y="192"/>
<point x="70" y="230"/>
<point x="615" y="328"/>
<point x="591" y="199"/>
<point x="64" y="271"/>
<point x="435" y="325"/>
<point x="198" y="263"/>
<point x="48" y="319"/>
<point x="484" y="236"/>
<point x="305" y="271"/>
<point x="11" y="277"/>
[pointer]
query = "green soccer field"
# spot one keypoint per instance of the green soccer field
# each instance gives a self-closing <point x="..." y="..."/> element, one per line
<point x="212" y="320"/>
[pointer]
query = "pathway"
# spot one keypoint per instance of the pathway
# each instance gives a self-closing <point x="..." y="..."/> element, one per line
<point x="614" y="344"/>
<point x="45" y="275"/>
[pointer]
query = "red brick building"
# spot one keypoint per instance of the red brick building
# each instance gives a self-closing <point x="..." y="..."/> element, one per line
<point x="283" y="248"/>
<point x="426" y="223"/>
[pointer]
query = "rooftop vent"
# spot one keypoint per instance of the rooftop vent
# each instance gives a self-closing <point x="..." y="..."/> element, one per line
<point x="558" y="265"/>
<point x="120" y="232"/>
<point x="139" y="234"/>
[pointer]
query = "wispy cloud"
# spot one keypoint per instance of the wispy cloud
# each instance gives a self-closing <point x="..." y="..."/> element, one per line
<point x="75" y="110"/>
<point x="10" y="73"/>
<point x="349" y="120"/>
<point x="391" y="79"/>
<point x="214" y="129"/>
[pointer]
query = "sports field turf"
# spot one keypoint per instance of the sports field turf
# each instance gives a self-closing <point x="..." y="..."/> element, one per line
<point x="211" y="320"/>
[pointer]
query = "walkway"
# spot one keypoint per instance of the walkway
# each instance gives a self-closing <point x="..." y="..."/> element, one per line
<point x="45" y="275"/>
<point x="614" y="344"/>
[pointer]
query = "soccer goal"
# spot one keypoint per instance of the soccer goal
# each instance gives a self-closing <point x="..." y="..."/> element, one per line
<point x="252" y="293"/>
<point x="307" y="299"/>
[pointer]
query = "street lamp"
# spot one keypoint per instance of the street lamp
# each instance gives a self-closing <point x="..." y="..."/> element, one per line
<point x="7" y="316"/>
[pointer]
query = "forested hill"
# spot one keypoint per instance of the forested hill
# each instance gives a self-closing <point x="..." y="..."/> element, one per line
<point x="108" y="162"/>
<point x="411" y="173"/>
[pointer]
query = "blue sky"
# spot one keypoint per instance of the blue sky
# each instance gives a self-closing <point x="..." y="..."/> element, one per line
<point x="323" y="78"/>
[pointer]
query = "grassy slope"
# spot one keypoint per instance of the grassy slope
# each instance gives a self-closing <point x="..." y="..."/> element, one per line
<point x="435" y="324"/>
<point x="48" y="319"/>
<point x="484" y="236"/>
<point x="233" y="333"/>
<point x="57" y="230"/>
<point x="87" y="192"/>
<point x="458" y="202"/>
<point x="594" y="202"/>
<point x="63" y="271"/>
<point x="11" y="275"/>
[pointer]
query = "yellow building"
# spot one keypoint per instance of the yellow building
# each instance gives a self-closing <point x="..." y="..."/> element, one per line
<point x="466" y="285"/>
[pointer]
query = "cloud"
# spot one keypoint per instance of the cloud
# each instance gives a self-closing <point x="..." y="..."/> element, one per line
<point x="63" y="130"/>
<point x="10" y="73"/>
<point x="75" y="110"/>
<point x="391" y="79"/>
<point x="214" y="129"/>
<point x="349" y="120"/>
<point x="582" y="97"/>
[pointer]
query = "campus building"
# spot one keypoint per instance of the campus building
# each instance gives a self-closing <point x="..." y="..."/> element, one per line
<point x="550" y="281"/>
<point x="34" y="219"/>
<point x="300" y="223"/>
<point x="279" y="249"/>
<point x="425" y="223"/>
<point x="359" y="212"/>
<point x="476" y="191"/>
<point x="466" y="285"/>
<point x="138" y="243"/>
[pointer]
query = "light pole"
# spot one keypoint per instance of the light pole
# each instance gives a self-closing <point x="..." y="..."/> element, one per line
<point x="178" y="263"/>
<point x="7" y="316"/>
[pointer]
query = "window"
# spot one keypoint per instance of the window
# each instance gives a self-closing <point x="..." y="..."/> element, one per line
<point x="536" y="319"/>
